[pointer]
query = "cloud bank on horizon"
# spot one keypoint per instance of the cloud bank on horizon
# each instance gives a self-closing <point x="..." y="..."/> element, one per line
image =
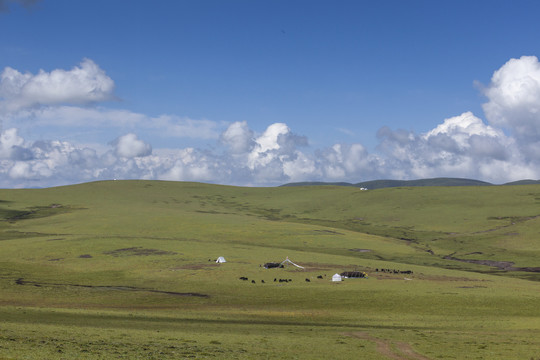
<point x="503" y="147"/>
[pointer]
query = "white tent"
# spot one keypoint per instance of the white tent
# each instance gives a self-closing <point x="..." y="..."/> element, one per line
<point x="336" y="277"/>
<point x="220" y="260"/>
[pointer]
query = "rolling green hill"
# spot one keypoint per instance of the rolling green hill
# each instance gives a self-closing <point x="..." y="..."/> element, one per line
<point x="524" y="182"/>
<point x="125" y="269"/>
<point x="381" y="184"/>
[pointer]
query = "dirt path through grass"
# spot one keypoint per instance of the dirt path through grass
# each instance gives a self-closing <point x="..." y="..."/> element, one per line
<point x="393" y="350"/>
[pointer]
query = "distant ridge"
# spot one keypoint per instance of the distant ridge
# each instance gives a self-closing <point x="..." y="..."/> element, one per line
<point x="524" y="182"/>
<point x="380" y="184"/>
<point x="318" y="183"/>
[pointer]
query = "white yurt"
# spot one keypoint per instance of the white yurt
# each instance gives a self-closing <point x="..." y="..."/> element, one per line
<point x="220" y="260"/>
<point x="336" y="277"/>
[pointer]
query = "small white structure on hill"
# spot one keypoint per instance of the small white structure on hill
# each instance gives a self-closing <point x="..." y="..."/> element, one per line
<point x="220" y="260"/>
<point x="336" y="277"/>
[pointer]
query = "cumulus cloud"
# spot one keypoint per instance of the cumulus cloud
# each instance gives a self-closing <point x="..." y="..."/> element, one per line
<point x="462" y="146"/>
<point x="514" y="97"/>
<point x="9" y="143"/>
<point x="461" y="127"/>
<point x="43" y="160"/>
<point x="86" y="83"/>
<point x="301" y="167"/>
<point x="238" y="138"/>
<point x="277" y="142"/>
<point x="504" y="147"/>
<point x="129" y="146"/>
<point x="346" y="162"/>
<point x="190" y="165"/>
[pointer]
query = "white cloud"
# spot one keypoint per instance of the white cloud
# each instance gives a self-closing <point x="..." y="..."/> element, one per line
<point x="238" y="137"/>
<point x="346" y="131"/>
<point x="467" y="133"/>
<point x="102" y="122"/>
<point x="176" y="126"/>
<point x="460" y="146"/>
<point x="86" y="83"/>
<point x="514" y="97"/>
<point x="262" y="154"/>
<point x="301" y="168"/>
<point x="75" y="116"/>
<point x="277" y="142"/>
<point x="189" y="165"/>
<point x="129" y="146"/>
<point x="346" y="162"/>
<point x="20" y="170"/>
<point x="461" y="127"/>
<point x="9" y="142"/>
<point x="269" y="140"/>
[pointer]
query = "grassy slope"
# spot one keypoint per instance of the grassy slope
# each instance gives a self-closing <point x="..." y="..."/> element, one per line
<point x="90" y="254"/>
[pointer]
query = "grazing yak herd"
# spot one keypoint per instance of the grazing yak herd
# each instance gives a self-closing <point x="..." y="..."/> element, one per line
<point x="345" y="274"/>
<point x="263" y="282"/>
<point x="394" y="271"/>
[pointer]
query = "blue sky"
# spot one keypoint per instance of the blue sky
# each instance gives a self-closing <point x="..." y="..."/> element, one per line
<point x="262" y="93"/>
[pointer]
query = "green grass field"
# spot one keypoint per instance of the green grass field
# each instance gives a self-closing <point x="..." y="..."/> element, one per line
<point x="125" y="270"/>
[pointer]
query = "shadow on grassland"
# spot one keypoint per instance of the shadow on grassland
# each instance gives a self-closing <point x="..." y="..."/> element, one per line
<point x="21" y="281"/>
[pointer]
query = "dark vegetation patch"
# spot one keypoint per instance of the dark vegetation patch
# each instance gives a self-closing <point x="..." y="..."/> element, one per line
<point x="8" y="214"/>
<point x="10" y="235"/>
<point x="210" y="212"/>
<point x="245" y="208"/>
<point x="35" y="212"/>
<point x="422" y="276"/>
<point x="138" y="251"/>
<point x="514" y="219"/>
<point x="85" y="256"/>
<point x="332" y="232"/>
<point x="502" y="265"/>
<point x="270" y="214"/>
<point x="21" y="281"/>
<point x="73" y="346"/>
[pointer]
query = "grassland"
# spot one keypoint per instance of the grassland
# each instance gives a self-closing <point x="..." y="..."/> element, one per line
<point x="125" y="270"/>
